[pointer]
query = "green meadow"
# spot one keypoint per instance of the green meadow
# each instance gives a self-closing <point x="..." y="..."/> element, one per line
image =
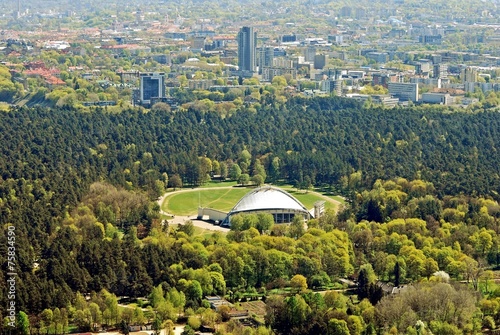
<point x="223" y="198"/>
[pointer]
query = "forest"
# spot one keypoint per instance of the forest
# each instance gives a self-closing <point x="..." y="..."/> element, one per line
<point x="421" y="187"/>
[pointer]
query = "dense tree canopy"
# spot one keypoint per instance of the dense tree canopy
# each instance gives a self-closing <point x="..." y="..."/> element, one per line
<point x="421" y="189"/>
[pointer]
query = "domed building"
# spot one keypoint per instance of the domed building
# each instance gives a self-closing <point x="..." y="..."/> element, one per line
<point x="268" y="199"/>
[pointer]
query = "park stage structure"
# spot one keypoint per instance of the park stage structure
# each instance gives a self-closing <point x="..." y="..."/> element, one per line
<point x="268" y="199"/>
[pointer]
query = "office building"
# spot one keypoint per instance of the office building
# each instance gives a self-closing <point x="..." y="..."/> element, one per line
<point x="404" y="91"/>
<point x="430" y="39"/>
<point x="423" y="68"/>
<point x="336" y="39"/>
<point x="345" y="11"/>
<point x="152" y="85"/>
<point x="288" y="38"/>
<point x="202" y="84"/>
<point x="265" y="57"/>
<point x="309" y="54"/>
<point x="379" y="57"/>
<point x="279" y="52"/>
<point x="383" y="79"/>
<point x="162" y="59"/>
<point x="332" y="86"/>
<point x="436" y="59"/>
<point x="440" y="70"/>
<point x="268" y="73"/>
<point x="360" y="13"/>
<point x="320" y="61"/>
<point x="379" y="99"/>
<point x="432" y="82"/>
<point x="437" y="98"/>
<point x="469" y="75"/>
<point x="198" y="43"/>
<point x="247" y="42"/>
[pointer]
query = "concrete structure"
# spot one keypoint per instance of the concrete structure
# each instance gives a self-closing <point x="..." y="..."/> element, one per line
<point x="437" y="98"/>
<point x="152" y="85"/>
<point x="288" y="38"/>
<point x="469" y="75"/>
<point x="404" y="91"/>
<point x="345" y="11"/>
<point x="247" y="43"/>
<point x="268" y="73"/>
<point x="430" y="39"/>
<point x="334" y="86"/>
<point x="18" y="13"/>
<point x="309" y="54"/>
<point x="423" y="67"/>
<point x="437" y="59"/>
<point x="265" y="57"/>
<point x="379" y="57"/>
<point x="440" y="70"/>
<point x="211" y="214"/>
<point x="356" y="74"/>
<point x="201" y="84"/>
<point x="198" y="42"/>
<point x="320" y="61"/>
<point x="319" y="208"/>
<point x="162" y="59"/>
<point x="470" y="86"/>
<point x="383" y="79"/>
<point x="336" y="39"/>
<point x="379" y="99"/>
<point x="268" y="199"/>
<point x="434" y="82"/>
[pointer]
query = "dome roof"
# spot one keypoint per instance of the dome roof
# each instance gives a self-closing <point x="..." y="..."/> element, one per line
<point x="268" y="198"/>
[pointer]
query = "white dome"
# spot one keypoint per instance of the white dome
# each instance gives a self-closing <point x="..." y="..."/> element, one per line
<point x="267" y="198"/>
<point x="283" y="206"/>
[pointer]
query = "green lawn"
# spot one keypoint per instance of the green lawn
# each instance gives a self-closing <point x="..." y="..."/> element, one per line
<point x="186" y="203"/>
<point x="338" y="198"/>
<point x="224" y="199"/>
<point x="308" y="199"/>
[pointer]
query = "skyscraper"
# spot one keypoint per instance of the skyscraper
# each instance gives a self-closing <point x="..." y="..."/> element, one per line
<point x="247" y="42"/>
<point x="18" y="14"/>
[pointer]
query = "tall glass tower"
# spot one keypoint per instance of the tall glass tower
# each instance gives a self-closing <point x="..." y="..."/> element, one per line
<point x="247" y="42"/>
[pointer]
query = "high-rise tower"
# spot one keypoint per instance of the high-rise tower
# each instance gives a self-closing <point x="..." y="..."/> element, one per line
<point x="247" y="42"/>
<point x="18" y="14"/>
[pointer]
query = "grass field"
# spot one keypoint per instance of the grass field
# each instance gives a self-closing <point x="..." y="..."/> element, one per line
<point x="308" y="199"/>
<point x="186" y="202"/>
